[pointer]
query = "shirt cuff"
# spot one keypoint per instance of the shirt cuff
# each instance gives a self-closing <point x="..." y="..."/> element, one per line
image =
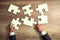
<point x="43" y="33"/>
<point x="12" y="33"/>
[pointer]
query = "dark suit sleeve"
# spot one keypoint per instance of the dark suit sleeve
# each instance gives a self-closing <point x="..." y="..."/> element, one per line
<point x="46" y="37"/>
<point x="13" y="37"/>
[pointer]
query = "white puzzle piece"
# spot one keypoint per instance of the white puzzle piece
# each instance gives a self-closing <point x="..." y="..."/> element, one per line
<point x="28" y="22"/>
<point x="28" y="11"/>
<point x="16" y="22"/>
<point x="44" y="19"/>
<point x="14" y="8"/>
<point x="41" y="7"/>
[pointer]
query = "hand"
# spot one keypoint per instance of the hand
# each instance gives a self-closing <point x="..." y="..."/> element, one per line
<point x="39" y="26"/>
<point x="11" y="28"/>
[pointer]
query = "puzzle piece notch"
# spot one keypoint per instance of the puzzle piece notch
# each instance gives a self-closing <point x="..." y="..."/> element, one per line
<point x="16" y="22"/>
<point x="41" y="7"/>
<point x="28" y="11"/>
<point x="28" y="22"/>
<point x="14" y="8"/>
<point x="44" y="19"/>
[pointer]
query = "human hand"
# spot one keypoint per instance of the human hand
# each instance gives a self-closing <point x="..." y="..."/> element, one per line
<point x="40" y="28"/>
<point x="11" y="28"/>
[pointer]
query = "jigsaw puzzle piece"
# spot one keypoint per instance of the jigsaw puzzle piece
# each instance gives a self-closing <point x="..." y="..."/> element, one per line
<point x="16" y="22"/>
<point x="44" y="19"/>
<point x="14" y="8"/>
<point x="28" y="22"/>
<point x="41" y="7"/>
<point x="28" y="10"/>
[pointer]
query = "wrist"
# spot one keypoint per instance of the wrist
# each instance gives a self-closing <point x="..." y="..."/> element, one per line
<point x="11" y="31"/>
<point x="41" y="30"/>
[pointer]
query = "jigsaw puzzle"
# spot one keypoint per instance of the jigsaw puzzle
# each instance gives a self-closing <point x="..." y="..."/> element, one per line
<point x="16" y="23"/>
<point x="28" y="10"/>
<point x="44" y="19"/>
<point x="41" y="7"/>
<point x="28" y="22"/>
<point x="14" y="8"/>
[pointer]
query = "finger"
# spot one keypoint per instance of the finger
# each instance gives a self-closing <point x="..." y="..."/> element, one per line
<point x="11" y="25"/>
<point x="40" y="25"/>
<point x="37" y="25"/>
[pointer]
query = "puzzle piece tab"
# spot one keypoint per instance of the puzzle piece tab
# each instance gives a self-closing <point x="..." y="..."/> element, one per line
<point x="28" y="22"/>
<point x="44" y="19"/>
<point x="16" y="23"/>
<point x="41" y="7"/>
<point x="14" y="8"/>
<point x="28" y="11"/>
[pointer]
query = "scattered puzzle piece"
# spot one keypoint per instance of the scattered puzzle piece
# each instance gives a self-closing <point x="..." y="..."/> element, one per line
<point x="28" y="22"/>
<point x="44" y="19"/>
<point x="41" y="7"/>
<point x="28" y="11"/>
<point x="16" y="23"/>
<point x="14" y="8"/>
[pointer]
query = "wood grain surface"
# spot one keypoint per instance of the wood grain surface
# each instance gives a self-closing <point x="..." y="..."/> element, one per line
<point x="27" y="32"/>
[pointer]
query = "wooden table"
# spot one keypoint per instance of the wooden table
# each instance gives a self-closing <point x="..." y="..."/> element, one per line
<point x="27" y="32"/>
